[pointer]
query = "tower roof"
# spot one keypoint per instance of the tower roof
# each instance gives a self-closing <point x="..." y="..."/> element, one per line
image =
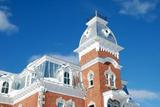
<point x="97" y="26"/>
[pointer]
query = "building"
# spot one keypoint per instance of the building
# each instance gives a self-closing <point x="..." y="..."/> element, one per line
<point x="52" y="82"/>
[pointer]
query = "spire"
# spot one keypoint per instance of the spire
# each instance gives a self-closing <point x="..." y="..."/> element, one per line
<point x="96" y="13"/>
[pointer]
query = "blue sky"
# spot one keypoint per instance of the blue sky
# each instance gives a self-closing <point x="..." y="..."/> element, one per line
<point x="32" y="28"/>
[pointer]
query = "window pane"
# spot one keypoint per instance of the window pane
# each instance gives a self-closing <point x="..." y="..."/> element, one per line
<point x="66" y="78"/>
<point x="48" y="69"/>
<point x="91" y="106"/>
<point x="5" y="87"/>
<point x="70" y="105"/>
<point x="60" y="104"/>
<point x="91" y="82"/>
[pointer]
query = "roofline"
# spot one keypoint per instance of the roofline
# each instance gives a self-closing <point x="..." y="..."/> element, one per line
<point x="51" y="58"/>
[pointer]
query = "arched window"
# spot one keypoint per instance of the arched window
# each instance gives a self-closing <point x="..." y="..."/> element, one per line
<point x="113" y="103"/>
<point x="69" y="103"/>
<point x="91" y="79"/>
<point x="60" y="104"/>
<point x="91" y="106"/>
<point x="66" y="78"/>
<point x="110" y="78"/>
<point x="5" y="87"/>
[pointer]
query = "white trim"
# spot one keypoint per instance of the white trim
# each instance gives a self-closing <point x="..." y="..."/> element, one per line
<point x="64" y="90"/>
<point x="60" y="100"/>
<point x="118" y="95"/>
<point x="96" y="19"/>
<point x="64" y="102"/>
<point x="98" y="43"/>
<point x="110" y="73"/>
<point x="70" y="102"/>
<point x="13" y="98"/>
<point x="91" y="103"/>
<point x="101" y="60"/>
<point x="58" y="61"/>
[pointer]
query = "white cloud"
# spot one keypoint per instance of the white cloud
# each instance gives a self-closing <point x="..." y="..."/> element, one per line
<point x="144" y="94"/>
<point x="71" y="57"/>
<point x="5" y="24"/>
<point x="137" y="7"/>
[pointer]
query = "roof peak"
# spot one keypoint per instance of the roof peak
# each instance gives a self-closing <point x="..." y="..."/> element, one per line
<point x="98" y="14"/>
<point x="97" y="18"/>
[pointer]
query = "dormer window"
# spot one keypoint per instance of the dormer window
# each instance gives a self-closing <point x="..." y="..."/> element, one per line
<point x="91" y="79"/>
<point x="66" y="78"/>
<point x="110" y="78"/>
<point x="5" y="87"/>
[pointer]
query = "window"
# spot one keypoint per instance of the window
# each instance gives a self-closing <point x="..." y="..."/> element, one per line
<point x="5" y="87"/>
<point x="110" y="78"/>
<point x="66" y="78"/>
<point x="48" y="69"/>
<point x="91" y="106"/>
<point x="70" y="105"/>
<point x="107" y="77"/>
<point x="90" y="79"/>
<point x="60" y="104"/>
<point x="113" y="103"/>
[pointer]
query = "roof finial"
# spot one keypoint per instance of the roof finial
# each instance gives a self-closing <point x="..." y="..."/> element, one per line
<point x="96" y="13"/>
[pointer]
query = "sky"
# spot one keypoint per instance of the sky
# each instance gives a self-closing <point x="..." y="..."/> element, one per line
<point x="31" y="28"/>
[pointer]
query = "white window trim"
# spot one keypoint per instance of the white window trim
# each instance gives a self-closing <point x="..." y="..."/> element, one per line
<point x="5" y="87"/>
<point x="60" y="100"/>
<point x="70" y="74"/>
<point x="110" y="72"/>
<point x="65" y="103"/>
<point x="70" y="102"/>
<point x="92" y="103"/>
<point x="88" y="77"/>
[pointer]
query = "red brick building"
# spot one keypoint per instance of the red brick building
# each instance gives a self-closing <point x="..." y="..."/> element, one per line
<point x="53" y="82"/>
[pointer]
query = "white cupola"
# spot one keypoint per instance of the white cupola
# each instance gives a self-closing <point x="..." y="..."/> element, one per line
<point x="98" y="35"/>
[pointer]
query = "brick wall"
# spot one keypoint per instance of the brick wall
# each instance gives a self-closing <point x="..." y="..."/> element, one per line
<point x="50" y="99"/>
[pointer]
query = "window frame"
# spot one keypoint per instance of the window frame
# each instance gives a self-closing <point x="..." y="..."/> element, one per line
<point x="5" y="87"/>
<point x="66" y="78"/>
<point x="91" y="103"/>
<point x="90" y="78"/>
<point x="110" y="78"/>
<point x="113" y="103"/>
